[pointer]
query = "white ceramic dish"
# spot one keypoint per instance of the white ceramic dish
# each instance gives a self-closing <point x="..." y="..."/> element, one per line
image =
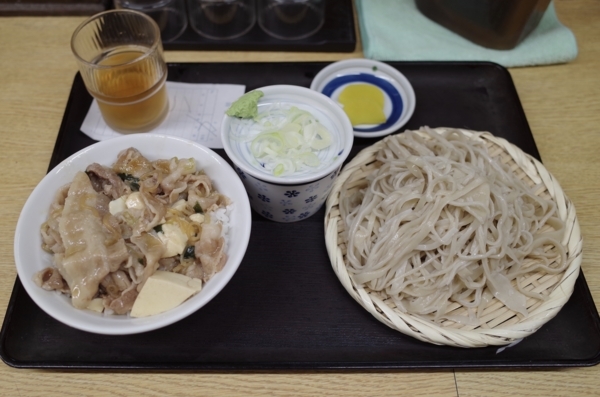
<point x="31" y="258"/>
<point x="400" y="100"/>
<point x="295" y="197"/>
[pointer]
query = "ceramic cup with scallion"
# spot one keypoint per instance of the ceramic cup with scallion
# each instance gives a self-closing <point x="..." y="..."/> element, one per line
<point x="288" y="196"/>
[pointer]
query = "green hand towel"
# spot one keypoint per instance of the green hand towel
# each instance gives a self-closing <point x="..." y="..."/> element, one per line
<point x="395" y="30"/>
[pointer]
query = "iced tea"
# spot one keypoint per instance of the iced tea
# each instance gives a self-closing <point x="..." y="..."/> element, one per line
<point x="119" y="53"/>
<point x="131" y="97"/>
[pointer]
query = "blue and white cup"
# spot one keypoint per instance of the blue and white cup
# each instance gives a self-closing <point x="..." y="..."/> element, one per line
<point x="297" y="196"/>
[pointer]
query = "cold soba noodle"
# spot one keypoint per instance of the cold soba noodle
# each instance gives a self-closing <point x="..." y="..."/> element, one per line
<point x="442" y="224"/>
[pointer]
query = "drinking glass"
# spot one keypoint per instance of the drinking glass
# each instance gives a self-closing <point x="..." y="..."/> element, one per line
<point x="291" y="19"/>
<point x="120" y="58"/>
<point x="170" y="15"/>
<point x="222" y="19"/>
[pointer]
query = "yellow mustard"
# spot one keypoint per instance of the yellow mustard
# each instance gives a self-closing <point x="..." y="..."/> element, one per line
<point x="363" y="103"/>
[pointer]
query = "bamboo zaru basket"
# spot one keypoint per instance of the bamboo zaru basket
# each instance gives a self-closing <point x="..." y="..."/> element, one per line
<point x="497" y="324"/>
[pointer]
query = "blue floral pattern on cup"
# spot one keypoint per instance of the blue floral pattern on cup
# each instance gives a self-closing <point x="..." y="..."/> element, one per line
<point x="285" y="203"/>
<point x="289" y="198"/>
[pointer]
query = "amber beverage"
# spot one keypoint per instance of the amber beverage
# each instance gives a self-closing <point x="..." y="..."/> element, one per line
<point x="120" y="59"/>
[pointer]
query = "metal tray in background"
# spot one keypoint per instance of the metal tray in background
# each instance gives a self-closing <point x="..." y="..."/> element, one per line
<point x="285" y="309"/>
<point x="336" y="35"/>
<point x="30" y="8"/>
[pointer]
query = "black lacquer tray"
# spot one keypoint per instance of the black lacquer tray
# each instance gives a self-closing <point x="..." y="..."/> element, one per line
<point x="336" y="35"/>
<point x="285" y="309"/>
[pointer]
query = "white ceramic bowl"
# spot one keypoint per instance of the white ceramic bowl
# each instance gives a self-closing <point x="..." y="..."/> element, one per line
<point x="294" y="197"/>
<point x="399" y="96"/>
<point x="31" y="258"/>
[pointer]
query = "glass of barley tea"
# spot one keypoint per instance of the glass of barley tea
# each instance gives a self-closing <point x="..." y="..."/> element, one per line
<point x="120" y="58"/>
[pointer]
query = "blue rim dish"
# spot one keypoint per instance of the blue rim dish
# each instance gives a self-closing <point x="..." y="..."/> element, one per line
<point x="383" y="84"/>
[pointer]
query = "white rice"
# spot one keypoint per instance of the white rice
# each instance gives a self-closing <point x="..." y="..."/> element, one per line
<point x="222" y="215"/>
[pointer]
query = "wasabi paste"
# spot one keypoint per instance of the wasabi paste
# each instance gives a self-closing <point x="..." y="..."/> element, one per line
<point x="246" y="107"/>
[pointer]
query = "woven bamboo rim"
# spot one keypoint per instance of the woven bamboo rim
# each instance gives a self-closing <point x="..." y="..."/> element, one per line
<point x="499" y="325"/>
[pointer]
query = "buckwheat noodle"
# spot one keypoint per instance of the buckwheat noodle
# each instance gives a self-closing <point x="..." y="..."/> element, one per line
<point x="442" y="224"/>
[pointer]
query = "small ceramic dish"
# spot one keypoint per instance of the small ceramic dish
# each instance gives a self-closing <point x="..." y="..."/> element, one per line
<point x="299" y="195"/>
<point x="398" y="93"/>
<point x="30" y="258"/>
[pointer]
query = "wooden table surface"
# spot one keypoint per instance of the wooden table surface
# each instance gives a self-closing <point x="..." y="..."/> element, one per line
<point x="562" y="104"/>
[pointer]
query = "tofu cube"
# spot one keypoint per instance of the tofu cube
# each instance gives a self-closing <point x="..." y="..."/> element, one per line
<point x="164" y="291"/>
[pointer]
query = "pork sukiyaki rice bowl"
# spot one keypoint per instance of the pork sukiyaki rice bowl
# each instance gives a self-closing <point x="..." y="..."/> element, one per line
<point x="132" y="234"/>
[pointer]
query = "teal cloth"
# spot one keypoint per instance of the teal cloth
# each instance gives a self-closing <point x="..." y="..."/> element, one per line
<point x="395" y="30"/>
